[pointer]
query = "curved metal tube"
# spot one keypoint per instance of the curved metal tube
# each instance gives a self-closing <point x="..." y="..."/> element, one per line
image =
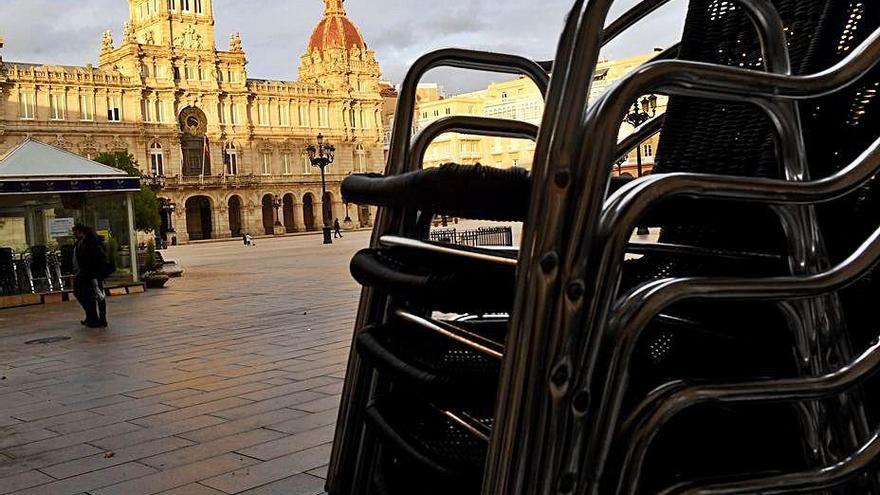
<point x="629" y="18"/>
<point x="645" y="302"/>
<point x="469" y="125"/>
<point x="347" y="471"/>
<point x="623" y="210"/>
<point x="655" y="412"/>
<point x="450" y="57"/>
<point x="784" y="115"/>
<point x="641" y="135"/>
<point x="812" y="480"/>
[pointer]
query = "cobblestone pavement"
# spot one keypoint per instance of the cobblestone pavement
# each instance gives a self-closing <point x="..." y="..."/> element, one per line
<point x="227" y="382"/>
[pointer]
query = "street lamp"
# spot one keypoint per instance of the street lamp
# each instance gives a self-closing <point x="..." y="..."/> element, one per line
<point x="169" y="207"/>
<point x="641" y="112"/>
<point x="276" y="203"/>
<point x="322" y="156"/>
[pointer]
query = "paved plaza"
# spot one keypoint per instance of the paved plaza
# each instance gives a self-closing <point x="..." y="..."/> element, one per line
<point x="226" y="382"/>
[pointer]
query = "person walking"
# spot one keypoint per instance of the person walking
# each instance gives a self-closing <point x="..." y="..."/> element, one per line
<point x="337" y="231"/>
<point x="91" y="268"/>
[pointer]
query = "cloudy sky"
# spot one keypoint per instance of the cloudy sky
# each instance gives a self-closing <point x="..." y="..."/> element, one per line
<point x="275" y="32"/>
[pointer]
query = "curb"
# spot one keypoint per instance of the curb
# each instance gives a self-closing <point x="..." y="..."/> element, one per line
<point x="293" y="234"/>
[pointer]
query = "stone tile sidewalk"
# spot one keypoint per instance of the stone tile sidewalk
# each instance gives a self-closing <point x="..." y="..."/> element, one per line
<point x="227" y="382"/>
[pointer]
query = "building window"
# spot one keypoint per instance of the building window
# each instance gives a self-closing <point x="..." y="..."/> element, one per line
<point x="230" y="159"/>
<point x="190" y="73"/>
<point x="28" y="106"/>
<point x="322" y="117"/>
<point x="176" y="73"/>
<point x="286" y="164"/>
<point x="232" y="76"/>
<point x="86" y="108"/>
<point x="157" y="160"/>
<point x="198" y="5"/>
<point x="351" y="114"/>
<point x="149" y="111"/>
<point x="263" y="114"/>
<point x="303" y="116"/>
<point x="160" y="111"/>
<point x="114" y="109"/>
<point x="221" y="113"/>
<point x="203" y="74"/>
<point x="649" y="150"/>
<point x="185" y="5"/>
<point x="284" y="114"/>
<point x="307" y="165"/>
<point x="267" y="164"/>
<point x="363" y="119"/>
<point x="56" y="107"/>
<point x="172" y="5"/>
<point x="233" y="114"/>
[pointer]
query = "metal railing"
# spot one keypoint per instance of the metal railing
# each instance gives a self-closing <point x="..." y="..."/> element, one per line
<point x="481" y="237"/>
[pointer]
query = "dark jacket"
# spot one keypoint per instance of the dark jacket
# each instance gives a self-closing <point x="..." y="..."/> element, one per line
<point x="91" y="258"/>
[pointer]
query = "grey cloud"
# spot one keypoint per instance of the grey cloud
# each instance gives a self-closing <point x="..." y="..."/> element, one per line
<point x="275" y="32"/>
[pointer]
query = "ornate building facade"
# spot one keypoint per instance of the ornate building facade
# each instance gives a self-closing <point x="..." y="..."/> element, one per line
<point x="227" y="150"/>
<point x="518" y="99"/>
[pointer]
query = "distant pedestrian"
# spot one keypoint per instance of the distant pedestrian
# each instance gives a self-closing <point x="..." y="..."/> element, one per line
<point x="244" y="239"/>
<point x="248" y="240"/>
<point x="337" y="231"/>
<point x="91" y="267"/>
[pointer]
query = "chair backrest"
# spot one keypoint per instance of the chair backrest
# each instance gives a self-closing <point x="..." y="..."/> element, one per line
<point x="67" y="254"/>
<point x="39" y="260"/>
<point x="736" y="139"/>
<point x="6" y="254"/>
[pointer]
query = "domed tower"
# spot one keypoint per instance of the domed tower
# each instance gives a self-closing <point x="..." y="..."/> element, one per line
<point x="337" y="57"/>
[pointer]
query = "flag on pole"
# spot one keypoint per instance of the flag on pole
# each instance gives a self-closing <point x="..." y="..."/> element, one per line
<point x="182" y="162"/>
<point x="205" y="155"/>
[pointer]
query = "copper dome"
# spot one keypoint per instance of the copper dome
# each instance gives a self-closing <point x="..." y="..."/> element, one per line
<point x="335" y="30"/>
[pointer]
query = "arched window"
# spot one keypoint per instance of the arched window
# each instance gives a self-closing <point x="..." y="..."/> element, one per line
<point x="157" y="160"/>
<point x="307" y="164"/>
<point x="360" y="159"/>
<point x="230" y="159"/>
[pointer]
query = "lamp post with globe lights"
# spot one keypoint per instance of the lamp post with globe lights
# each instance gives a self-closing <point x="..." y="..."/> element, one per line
<point x="641" y="112"/>
<point x="322" y="156"/>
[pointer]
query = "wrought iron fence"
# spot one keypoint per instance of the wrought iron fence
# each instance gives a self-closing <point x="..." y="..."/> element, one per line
<point x="483" y="236"/>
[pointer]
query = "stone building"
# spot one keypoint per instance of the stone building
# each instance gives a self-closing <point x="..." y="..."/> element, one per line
<point x="517" y="99"/>
<point x="222" y="146"/>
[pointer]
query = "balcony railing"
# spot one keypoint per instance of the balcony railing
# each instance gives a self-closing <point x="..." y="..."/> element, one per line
<point x="246" y="180"/>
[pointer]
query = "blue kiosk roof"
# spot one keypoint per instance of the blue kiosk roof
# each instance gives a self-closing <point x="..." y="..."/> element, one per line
<point x="35" y="167"/>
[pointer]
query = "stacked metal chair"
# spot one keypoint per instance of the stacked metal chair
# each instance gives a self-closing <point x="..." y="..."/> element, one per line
<point x="40" y="269"/>
<point x="734" y="356"/>
<point x="9" y="284"/>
